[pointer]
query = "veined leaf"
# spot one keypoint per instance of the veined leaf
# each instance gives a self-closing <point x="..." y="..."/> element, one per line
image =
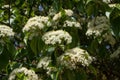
<point x="114" y="20"/>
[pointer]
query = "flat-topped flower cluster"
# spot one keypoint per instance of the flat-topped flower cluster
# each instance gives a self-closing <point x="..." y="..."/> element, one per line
<point x="57" y="37"/>
<point x="28" y="74"/>
<point x="45" y="64"/>
<point x="37" y="22"/>
<point x="6" y="31"/>
<point x="100" y="27"/>
<point x="71" y="58"/>
<point x="97" y="26"/>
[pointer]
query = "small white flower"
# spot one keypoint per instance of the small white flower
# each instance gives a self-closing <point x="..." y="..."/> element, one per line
<point x="6" y="31"/>
<point x="68" y="12"/>
<point x="107" y="1"/>
<point x="107" y="14"/>
<point x="6" y="6"/>
<point x="56" y="37"/>
<point x="68" y="23"/>
<point x="44" y="19"/>
<point x="92" y="31"/>
<point x="57" y="16"/>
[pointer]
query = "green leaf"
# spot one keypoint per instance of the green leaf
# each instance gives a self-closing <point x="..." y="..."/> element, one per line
<point x="70" y="75"/>
<point x="4" y="59"/>
<point x="75" y="37"/>
<point x="11" y="49"/>
<point x="33" y="45"/>
<point x="93" y="70"/>
<point x="82" y="75"/>
<point x="1" y="48"/>
<point x="93" y="46"/>
<point x="96" y="7"/>
<point x="88" y="1"/>
<point x="40" y="44"/>
<point x="114" y="20"/>
<point x="36" y="44"/>
<point x="90" y="9"/>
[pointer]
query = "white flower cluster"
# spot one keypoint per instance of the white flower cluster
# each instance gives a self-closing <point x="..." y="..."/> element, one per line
<point x="37" y="22"/>
<point x="44" y="62"/>
<point x="51" y="12"/>
<point x="6" y="31"/>
<point x="100" y="26"/>
<point x="6" y="6"/>
<point x="73" y="57"/>
<point x="97" y="26"/>
<point x="68" y="23"/>
<point x="116" y="54"/>
<point x="57" y="16"/>
<point x="29" y="74"/>
<point x="57" y="37"/>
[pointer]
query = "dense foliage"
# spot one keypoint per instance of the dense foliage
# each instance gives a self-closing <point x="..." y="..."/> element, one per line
<point x="59" y="40"/>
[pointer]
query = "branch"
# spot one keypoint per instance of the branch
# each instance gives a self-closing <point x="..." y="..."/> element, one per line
<point x="4" y="23"/>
